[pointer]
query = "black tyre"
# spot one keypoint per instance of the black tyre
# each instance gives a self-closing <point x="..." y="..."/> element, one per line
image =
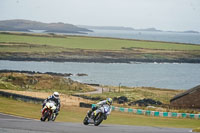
<point x="45" y="115"/>
<point x="85" y="121"/>
<point x="98" y="119"/>
<point x="53" y="118"/>
<point x="42" y="119"/>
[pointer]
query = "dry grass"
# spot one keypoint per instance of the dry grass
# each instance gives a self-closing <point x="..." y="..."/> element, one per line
<point x="137" y="93"/>
<point x="42" y="86"/>
<point x="41" y="82"/>
<point x="196" y="130"/>
<point x="66" y="100"/>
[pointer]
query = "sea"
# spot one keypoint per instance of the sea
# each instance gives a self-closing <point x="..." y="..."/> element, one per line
<point x="159" y="75"/>
<point x="136" y="74"/>
<point x="165" y="36"/>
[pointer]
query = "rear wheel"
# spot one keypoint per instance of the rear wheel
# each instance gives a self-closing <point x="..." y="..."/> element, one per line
<point x="98" y="119"/>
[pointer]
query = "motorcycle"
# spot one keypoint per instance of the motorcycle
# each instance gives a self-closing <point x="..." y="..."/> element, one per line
<point x="97" y="116"/>
<point x="48" y="110"/>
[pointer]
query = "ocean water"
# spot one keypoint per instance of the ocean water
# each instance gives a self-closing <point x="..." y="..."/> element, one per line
<point x="192" y="38"/>
<point x="166" y="75"/>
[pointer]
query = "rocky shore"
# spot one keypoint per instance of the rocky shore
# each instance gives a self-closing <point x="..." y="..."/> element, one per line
<point x="34" y="72"/>
<point x="104" y="60"/>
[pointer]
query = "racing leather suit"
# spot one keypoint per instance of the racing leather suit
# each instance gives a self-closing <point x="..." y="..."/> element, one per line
<point x="57" y="102"/>
<point x="98" y="105"/>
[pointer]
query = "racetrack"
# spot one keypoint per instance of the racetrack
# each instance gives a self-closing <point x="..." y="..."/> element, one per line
<point x="13" y="124"/>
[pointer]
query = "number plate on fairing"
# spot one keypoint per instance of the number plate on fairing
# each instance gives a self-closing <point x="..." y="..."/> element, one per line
<point x="106" y="109"/>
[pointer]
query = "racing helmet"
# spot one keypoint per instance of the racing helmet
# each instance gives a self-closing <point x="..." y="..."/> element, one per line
<point x="56" y="95"/>
<point x="109" y="101"/>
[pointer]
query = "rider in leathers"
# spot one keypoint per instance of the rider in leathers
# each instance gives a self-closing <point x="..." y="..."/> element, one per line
<point x="56" y="99"/>
<point x="108" y="101"/>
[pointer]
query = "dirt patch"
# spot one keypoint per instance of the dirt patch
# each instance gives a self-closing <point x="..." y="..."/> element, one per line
<point x="66" y="100"/>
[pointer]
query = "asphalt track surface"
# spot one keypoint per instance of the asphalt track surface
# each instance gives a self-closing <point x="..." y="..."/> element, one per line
<point x="13" y="124"/>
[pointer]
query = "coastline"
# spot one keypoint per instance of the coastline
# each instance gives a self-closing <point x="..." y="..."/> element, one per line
<point x="102" y="60"/>
<point x="64" y="48"/>
<point x="161" y="75"/>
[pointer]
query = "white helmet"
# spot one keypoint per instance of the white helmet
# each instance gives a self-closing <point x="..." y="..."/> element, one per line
<point x="56" y="95"/>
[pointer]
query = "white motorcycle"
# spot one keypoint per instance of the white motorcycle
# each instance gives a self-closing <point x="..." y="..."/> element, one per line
<point x="97" y="116"/>
<point x="48" y="110"/>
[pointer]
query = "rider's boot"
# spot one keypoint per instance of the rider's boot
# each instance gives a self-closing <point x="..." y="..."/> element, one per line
<point x="89" y="113"/>
<point x="54" y="116"/>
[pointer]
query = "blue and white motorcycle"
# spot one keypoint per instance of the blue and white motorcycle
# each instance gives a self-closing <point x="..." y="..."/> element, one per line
<point x="97" y="116"/>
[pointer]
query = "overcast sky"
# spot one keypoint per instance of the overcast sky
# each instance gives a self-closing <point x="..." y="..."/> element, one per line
<point x="175" y="15"/>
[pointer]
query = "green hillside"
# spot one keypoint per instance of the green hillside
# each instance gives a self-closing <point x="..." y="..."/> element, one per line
<point x="24" y="46"/>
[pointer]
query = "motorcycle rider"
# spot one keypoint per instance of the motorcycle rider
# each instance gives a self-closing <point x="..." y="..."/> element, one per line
<point x="108" y="101"/>
<point x="54" y="97"/>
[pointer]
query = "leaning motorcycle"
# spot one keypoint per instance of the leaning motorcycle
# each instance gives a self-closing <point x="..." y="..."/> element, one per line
<point x="97" y="116"/>
<point x="47" y="112"/>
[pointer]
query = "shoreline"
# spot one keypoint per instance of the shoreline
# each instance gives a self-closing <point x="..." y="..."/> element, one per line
<point x="97" y="86"/>
<point x="104" y="60"/>
<point x="117" y="52"/>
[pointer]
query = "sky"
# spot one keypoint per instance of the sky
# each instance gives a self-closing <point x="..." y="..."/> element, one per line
<point x="173" y="15"/>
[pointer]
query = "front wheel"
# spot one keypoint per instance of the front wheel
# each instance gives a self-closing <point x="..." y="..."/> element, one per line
<point x="98" y="119"/>
<point x="85" y="121"/>
<point x="45" y="115"/>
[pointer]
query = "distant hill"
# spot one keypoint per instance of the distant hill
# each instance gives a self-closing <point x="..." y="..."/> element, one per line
<point x="149" y="29"/>
<point x="106" y="27"/>
<point x="131" y="29"/>
<point x="28" y="25"/>
<point x="117" y="28"/>
<point x="191" y="31"/>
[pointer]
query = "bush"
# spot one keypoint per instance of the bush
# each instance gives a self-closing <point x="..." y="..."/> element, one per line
<point x="121" y="100"/>
<point x="145" y="102"/>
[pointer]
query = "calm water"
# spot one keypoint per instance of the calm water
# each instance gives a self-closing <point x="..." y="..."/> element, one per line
<point x="193" y="38"/>
<point x="172" y="76"/>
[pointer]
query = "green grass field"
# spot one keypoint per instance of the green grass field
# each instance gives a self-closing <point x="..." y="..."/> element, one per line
<point x="93" y="43"/>
<point x="47" y="47"/>
<point x="137" y="93"/>
<point x="76" y="114"/>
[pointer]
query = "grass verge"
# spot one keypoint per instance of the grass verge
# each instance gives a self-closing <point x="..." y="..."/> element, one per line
<point x="76" y="114"/>
<point x="196" y="130"/>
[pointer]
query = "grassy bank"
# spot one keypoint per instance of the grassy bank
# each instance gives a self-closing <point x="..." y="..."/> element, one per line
<point x="20" y="46"/>
<point x="76" y="114"/>
<point x="49" y="83"/>
<point x="41" y="83"/>
<point x="196" y="130"/>
<point x="137" y="93"/>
